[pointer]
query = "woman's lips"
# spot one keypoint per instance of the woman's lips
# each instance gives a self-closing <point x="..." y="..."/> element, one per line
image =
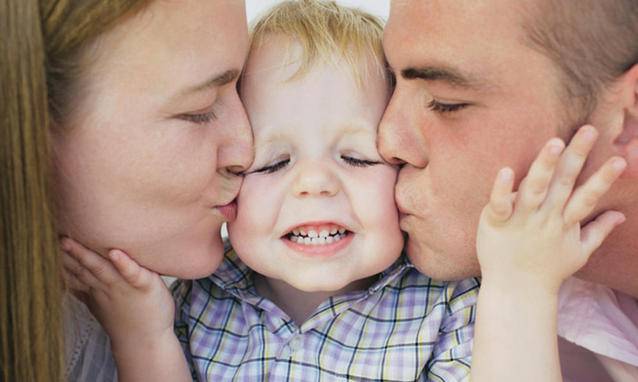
<point x="229" y="211"/>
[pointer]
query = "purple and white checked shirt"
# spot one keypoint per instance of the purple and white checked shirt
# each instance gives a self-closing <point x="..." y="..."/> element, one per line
<point x="405" y="327"/>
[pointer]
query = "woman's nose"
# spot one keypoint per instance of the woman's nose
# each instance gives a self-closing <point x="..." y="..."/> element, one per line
<point x="235" y="153"/>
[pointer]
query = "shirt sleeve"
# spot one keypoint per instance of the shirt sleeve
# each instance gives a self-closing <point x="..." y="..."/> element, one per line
<point x="181" y="290"/>
<point x="452" y="355"/>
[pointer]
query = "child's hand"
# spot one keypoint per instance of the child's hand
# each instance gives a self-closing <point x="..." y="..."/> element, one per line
<point x="534" y="236"/>
<point x="132" y="303"/>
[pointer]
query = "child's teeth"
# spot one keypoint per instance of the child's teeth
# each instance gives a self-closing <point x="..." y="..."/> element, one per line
<point x="293" y="239"/>
<point x="333" y="231"/>
<point x="312" y="233"/>
<point x="302" y="231"/>
<point x="342" y="230"/>
<point x="307" y="240"/>
<point x="324" y="233"/>
<point x="295" y="232"/>
<point x="329" y="239"/>
<point x="318" y="241"/>
<point x="338" y="237"/>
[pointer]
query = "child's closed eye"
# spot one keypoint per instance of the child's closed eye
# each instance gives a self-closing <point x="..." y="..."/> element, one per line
<point x="269" y="169"/>
<point x="356" y="162"/>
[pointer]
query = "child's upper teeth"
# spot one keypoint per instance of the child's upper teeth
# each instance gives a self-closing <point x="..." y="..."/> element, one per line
<point x="312" y="233"/>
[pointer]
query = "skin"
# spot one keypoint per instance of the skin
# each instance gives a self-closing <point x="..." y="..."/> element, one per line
<point x="334" y="120"/>
<point x="513" y="104"/>
<point x="150" y="152"/>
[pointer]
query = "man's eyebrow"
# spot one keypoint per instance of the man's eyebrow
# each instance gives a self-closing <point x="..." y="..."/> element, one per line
<point x="442" y="74"/>
<point x="215" y="81"/>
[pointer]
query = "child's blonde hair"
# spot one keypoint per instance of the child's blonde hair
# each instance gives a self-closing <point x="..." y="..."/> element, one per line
<point x="326" y="32"/>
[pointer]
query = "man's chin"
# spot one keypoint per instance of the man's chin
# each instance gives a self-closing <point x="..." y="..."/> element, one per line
<point x="439" y="266"/>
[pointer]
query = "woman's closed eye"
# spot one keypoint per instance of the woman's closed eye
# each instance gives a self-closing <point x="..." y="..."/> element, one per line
<point x="198" y="118"/>
<point x="441" y="107"/>
<point x="356" y="162"/>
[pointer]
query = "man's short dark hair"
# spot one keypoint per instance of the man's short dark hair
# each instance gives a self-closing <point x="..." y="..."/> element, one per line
<point x="593" y="42"/>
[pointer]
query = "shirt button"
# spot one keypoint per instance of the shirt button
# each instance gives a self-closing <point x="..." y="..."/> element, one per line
<point x="295" y="344"/>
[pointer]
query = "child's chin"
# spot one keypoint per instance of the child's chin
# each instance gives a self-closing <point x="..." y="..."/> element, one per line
<point x="320" y="285"/>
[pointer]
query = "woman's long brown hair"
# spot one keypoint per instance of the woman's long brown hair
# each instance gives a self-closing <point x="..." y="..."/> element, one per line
<point x="41" y="48"/>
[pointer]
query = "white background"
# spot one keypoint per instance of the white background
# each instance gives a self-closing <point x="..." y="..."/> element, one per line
<point x="379" y="8"/>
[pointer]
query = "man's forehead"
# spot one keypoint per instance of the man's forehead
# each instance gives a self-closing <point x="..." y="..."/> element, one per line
<point x="468" y="37"/>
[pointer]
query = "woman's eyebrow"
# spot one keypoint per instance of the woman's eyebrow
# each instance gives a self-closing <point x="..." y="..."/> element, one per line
<point x="215" y="81"/>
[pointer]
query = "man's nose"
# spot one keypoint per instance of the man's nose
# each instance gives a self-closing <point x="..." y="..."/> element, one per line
<point x="316" y="179"/>
<point x="401" y="137"/>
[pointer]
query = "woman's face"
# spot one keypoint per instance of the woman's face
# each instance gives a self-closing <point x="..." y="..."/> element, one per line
<point x="144" y="162"/>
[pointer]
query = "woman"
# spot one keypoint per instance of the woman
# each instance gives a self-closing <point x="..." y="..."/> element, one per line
<point x="135" y="103"/>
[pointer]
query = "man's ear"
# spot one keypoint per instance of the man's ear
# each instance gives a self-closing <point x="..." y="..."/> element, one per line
<point x="627" y="140"/>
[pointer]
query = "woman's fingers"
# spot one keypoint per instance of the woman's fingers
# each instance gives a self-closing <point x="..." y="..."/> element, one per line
<point x="534" y="187"/>
<point x="569" y="167"/>
<point x="499" y="209"/>
<point x="586" y="197"/>
<point x="593" y="234"/>
<point x="98" y="267"/>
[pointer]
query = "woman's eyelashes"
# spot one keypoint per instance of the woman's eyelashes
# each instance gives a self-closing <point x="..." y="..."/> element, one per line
<point x="203" y="116"/>
<point x="199" y="118"/>
<point x="441" y="107"/>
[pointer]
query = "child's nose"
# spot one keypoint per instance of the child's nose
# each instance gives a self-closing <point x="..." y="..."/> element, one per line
<point x="315" y="179"/>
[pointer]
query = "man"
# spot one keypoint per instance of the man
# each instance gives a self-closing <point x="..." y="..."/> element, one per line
<point x="484" y="84"/>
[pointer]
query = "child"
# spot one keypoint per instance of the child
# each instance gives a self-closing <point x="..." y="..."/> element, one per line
<point x="315" y="287"/>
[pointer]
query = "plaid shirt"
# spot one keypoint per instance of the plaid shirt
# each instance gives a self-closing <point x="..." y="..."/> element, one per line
<point x="405" y="327"/>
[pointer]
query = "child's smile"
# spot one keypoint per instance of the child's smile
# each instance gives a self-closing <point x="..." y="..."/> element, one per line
<point x="318" y="239"/>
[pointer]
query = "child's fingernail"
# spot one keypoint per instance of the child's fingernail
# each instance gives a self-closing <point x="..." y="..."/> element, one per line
<point x="618" y="164"/>
<point x="506" y="174"/>
<point x="65" y="244"/>
<point x="589" y="132"/>
<point x="556" y="146"/>
<point x="115" y="255"/>
<point x="621" y="219"/>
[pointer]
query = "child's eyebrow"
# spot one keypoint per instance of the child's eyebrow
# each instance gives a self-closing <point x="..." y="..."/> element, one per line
<point x="271" y="139"/>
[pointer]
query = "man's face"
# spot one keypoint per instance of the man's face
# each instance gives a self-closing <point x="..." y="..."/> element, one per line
<point x="316" y="208"/>
<point x="472" y="96"/>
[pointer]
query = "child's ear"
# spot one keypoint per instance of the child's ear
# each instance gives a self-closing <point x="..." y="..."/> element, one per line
<point x="627" y="140"/>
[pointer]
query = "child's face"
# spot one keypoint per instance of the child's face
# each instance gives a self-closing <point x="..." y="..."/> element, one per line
<point x="316" y="208"/>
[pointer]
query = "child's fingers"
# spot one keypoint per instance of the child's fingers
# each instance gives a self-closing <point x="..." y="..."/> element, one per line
<point x="132" y="272"/>
<point x="534" y="187"/>
<point x="73" y="283"/>
<point x="80" y="272"/>
<point x="593" y="234"/>
<point x="93" y="263"/>
<point x="499" y="208"/>
<point x="586" y="197"/>
<point x="569" y="167"/>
